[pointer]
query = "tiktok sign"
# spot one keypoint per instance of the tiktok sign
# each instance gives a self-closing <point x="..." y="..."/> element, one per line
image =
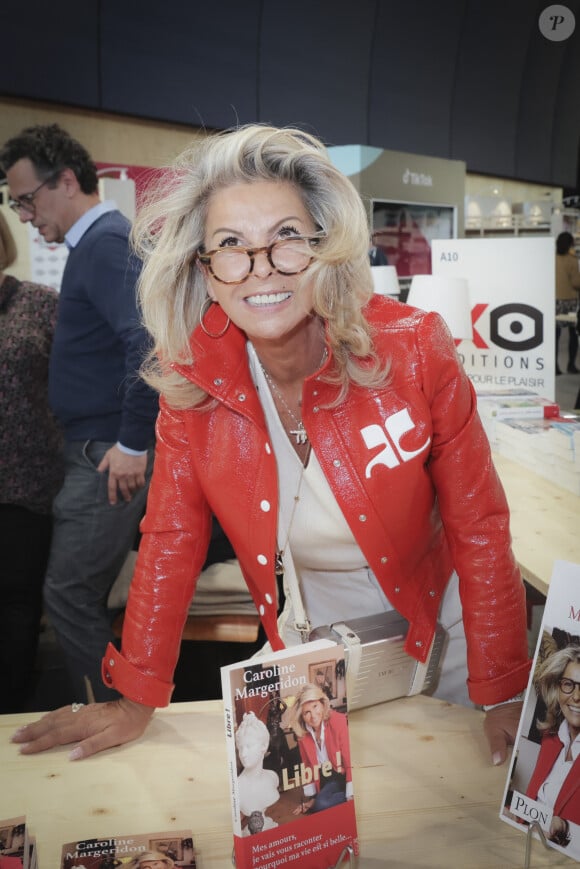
<point x="511" y="286"/>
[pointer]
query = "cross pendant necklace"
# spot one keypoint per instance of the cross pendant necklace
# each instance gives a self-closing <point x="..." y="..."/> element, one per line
<point x="299" y="433"/>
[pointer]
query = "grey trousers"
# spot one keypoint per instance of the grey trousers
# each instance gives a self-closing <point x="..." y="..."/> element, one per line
<point x="90" y="542"/>
<point x="452" y="683"/>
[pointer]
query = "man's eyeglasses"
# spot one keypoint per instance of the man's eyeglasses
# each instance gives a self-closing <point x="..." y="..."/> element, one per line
<point x="567" y="685"/>
<point x="26" y="201"/>
<point x="232" y="265"/>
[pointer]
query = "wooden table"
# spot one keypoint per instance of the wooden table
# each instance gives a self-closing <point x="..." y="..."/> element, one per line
<point x="226" y="628"/>
<point x="426" y="794"/>
<point x="545" y="522"/>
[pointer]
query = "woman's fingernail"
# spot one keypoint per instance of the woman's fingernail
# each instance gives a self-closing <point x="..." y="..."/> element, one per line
<point x="76" y="753"/>
<point x="496" y="759"/>
<point x="22" y="747"/>
<point x="16" y="734"/>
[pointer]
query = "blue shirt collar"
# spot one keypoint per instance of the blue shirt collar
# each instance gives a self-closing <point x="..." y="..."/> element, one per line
<point x="78" y="229"/>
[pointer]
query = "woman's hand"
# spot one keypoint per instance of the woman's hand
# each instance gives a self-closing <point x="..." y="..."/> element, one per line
<point x="500" y="727"/>
<point x="93" y="727"/>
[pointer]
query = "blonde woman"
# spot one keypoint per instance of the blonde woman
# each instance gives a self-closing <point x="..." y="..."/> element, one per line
<point x="326" y="428"/>
<point x="555" y="779"/>
<point x="322" y="735"/>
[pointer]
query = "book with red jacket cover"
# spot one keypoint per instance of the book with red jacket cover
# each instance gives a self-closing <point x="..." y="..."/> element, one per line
<point x="542" y="792"/>
<point x="515" y="406"/>
<point x="289" y="764"/>
<point x="14" y="848"/>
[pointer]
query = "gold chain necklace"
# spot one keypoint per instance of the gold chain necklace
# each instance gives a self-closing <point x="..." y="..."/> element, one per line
<point x="299" y="433"/>
<point x="279" y="557"/>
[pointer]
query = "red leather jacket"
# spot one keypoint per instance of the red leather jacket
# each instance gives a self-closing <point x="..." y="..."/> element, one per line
<point x="409" y="465"/>
<point x="567" y="803"/>
<point x="337" y="745"/>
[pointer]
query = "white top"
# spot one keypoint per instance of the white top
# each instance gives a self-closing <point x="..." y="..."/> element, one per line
<point x="335" y="580"/>
<point x="86" y="220"/>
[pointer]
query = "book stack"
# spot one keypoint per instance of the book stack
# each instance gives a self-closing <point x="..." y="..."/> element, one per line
<point x="503" y="404"/>
<point x="542" y="796"/>
<point x="565" y="440"/>
<point x="17" y="847"/>
<point x="526" y="441"/>
<point x="170" y="848"/>
<point x="549" y="448"/>
<point x="530" y="430"/>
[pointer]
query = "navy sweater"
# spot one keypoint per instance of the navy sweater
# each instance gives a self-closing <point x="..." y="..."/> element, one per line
<point x="94" y="384"/>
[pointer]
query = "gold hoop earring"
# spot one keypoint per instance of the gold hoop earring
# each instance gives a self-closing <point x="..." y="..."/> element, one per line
<point x="203" y="311"/>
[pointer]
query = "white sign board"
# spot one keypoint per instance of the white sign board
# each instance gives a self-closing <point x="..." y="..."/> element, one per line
<point x="512" y="291"/>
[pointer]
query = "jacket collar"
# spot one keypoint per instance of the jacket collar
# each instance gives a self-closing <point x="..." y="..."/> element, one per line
<point x="220" y="365"/>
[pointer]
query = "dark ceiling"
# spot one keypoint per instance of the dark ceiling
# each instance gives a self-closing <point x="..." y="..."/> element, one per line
<point x="473" y="80"/>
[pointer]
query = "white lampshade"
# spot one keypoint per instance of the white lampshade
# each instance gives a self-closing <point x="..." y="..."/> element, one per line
<point x="447" y="295"/>
<point x="385" y="280"/>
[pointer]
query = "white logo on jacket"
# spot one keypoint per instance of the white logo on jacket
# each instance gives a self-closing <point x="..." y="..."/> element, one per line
<point x="396" y="426"/>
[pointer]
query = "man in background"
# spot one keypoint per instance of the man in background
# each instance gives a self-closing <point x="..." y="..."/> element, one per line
<point x="377" y="256"/>
<point x="106" y="411"/>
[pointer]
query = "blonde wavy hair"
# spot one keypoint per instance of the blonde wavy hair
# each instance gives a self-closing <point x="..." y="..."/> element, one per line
<point x="150" y="857"/>
<point x="306" y="694"/>
<point x="547" y="683"/>
<point x="169" y="231"/>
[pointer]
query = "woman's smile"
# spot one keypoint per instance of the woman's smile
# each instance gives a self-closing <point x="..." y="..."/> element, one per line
<point x="266" y="303"/>
<point x="262" y="299"/>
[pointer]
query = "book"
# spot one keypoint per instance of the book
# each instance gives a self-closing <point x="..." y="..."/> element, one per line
<point x="510" y="404"/>
<point x="548" y="447"/>
<point x="14" y="848"/>
<point x="32" y="861"/>
<point x="543" y="783"/>
<point x="119" y="851"/>
<point x="289" y="805"/>
<point x="516" y="407"/>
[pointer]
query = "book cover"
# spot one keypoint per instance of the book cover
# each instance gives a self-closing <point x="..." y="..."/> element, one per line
<point x="509" y="404"/>
<point x="14" y="849"/>
<point x="169" y="849"/>
<point x="289" y="766"/>
<point x="517" y="429"/>
<point x="518" y="406"/>
<point x="543" y="783"/>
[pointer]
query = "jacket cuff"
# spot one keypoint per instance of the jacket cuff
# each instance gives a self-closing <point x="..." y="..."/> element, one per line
<point x="140" y="687"/>
<point x="495" y="691"/>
